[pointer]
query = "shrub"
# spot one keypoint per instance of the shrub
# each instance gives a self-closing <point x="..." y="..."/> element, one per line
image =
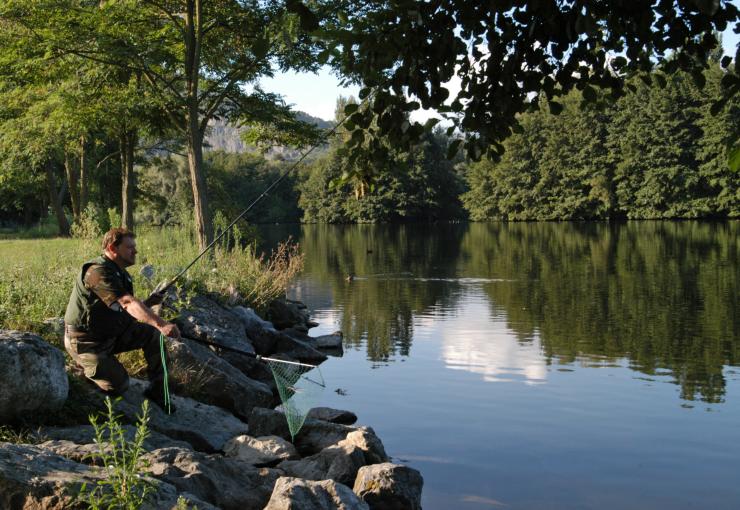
<point x="90" y="224"/>
<point x="124" y="487"/>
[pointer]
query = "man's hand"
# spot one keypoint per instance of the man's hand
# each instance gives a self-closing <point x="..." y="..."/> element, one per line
<point x="170" y="330"/>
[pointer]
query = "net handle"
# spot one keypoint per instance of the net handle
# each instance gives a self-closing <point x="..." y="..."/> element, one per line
<point x="250" y="354"/>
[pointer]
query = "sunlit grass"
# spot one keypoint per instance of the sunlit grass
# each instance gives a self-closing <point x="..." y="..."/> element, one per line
<point x="36" y="276"/>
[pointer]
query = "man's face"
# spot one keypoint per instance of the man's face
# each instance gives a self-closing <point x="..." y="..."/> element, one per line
<point x="125" y="253"/>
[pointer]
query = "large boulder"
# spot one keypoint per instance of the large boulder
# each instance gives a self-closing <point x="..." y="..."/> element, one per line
<point x="32" y="478"/>
<point x="339" y="462"/>
<point x="78" y="443"/>
<point x="204" y="426"/>
<point x="252" y="322"/>
<point x="332" y="341"/>
<point x="315" y="435"/>
<point x="297" y="494"/>
<point x="389" y="486"/>
<point x="206" y="319"/>
<point x="32" y="376"/>
<point x="284" y="313"/>
<point x="260" y="451"/>
<point x="208" y="378"/>
<point x="224" y="482"/>
<point x="267" y="342"/>
<point x="332" y="415"/>
<point x="85" y="434"/>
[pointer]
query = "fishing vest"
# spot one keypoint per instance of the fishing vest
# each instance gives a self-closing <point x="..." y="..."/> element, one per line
<point x="87" y="313"/>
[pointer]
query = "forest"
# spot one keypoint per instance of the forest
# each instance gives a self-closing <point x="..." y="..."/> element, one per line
<point x="109" y="113"/>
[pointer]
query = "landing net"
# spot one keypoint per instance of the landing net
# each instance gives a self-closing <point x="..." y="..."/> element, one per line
<point x="300" y="387"/>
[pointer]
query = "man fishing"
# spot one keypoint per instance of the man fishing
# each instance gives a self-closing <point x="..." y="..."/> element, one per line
<point x="104" y="318"/>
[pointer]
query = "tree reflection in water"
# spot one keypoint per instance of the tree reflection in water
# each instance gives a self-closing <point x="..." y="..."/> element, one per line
<point x="661" y="295"/>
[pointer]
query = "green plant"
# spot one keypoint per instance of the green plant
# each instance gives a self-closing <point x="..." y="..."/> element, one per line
<point x="114" y="218"/>
<point x="123" y="487"/>
<point x="90" y="224"/>
<point x="14" y="435"/>
<point x="182" y="504"/>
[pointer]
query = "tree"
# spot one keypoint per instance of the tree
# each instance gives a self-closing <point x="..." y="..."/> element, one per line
<point x="503" y="53"/>
<point x="195" y="57"/>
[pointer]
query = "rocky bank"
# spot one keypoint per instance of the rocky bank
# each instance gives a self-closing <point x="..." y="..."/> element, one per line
<point x="225" y="447"/>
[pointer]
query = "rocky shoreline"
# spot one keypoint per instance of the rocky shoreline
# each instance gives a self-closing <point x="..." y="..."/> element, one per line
<point x="226" y="447"/>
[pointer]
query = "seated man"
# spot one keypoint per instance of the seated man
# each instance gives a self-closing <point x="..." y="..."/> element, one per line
<point x="104" y="318"/>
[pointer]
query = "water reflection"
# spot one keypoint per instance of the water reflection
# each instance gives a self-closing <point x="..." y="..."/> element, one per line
<point x="660" y="297"/>
<point x="488" y="347"/>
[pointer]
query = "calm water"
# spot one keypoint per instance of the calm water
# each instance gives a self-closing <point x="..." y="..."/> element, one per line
<point x="539" y="366"/>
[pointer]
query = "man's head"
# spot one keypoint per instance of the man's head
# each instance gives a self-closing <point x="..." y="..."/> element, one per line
<point x="119" y="245"/>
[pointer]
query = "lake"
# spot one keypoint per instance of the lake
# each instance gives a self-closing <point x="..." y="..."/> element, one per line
<point x="538" y="365"/>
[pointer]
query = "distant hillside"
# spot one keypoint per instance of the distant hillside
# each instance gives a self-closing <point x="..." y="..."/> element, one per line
<point x="222" y="136"/>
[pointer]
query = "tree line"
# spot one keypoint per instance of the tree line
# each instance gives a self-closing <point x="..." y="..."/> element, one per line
<point x="93" y="88"/>
<point x="658" y="152"/>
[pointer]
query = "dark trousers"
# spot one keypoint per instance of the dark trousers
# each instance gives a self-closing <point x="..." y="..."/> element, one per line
<point x="97" y="356"/>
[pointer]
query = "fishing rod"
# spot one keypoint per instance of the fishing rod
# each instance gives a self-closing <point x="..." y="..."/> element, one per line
<point x="250" y="354"/>
<point x="256" y="201"/>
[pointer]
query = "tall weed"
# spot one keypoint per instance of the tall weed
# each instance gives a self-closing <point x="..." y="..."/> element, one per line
<point x="124" y="486"/>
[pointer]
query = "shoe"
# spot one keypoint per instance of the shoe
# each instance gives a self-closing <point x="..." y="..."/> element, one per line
<point x="156" y="395"/>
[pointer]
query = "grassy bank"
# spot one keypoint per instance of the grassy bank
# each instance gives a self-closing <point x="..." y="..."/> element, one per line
<point x="36" y="275"/>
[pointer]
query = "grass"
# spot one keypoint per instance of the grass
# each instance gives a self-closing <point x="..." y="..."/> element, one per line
<point x="36" y="275"/>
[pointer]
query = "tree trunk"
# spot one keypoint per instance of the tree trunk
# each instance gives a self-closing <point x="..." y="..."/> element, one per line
<point x="56" y="199"/>
<point x="83" y="176"/>
<point x="203" y="224"/>
<point x="74" y="197"/>
<point x="128" y="143"/>
<point x="192" y="37"/>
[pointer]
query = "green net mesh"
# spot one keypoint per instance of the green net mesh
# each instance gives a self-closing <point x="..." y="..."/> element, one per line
<point x="300" y="387"/>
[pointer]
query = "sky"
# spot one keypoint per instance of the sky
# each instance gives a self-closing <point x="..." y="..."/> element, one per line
<point x="316" y="94"/>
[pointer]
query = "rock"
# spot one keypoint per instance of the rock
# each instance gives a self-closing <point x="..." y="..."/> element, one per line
<point x="205" y="319"/>
<point x="339" y="463"/>
<point x="32" y="376"/>
<point x="302" y="351"/>
<point x="206" y="377"/>
<point x="85" y="434"/>
<point x="332" y="415"/>
<point x="284" y="313"/>
<point x="204" y="426"/>
<point x="296" y="494"/>
<point x="32" y="478"/>
<point x="315" y="435"/>
<point x="78" y="443"/>
<point x="268" y="422"/>
<point x="269" y="341"/>
<point x="251" y="321"/>
<point x="260" y="451"/>
<point x="333" y="341"/>
<point x="367" y="441"/>
<point x="224" y="482"/>
<point x="389" y="486"/>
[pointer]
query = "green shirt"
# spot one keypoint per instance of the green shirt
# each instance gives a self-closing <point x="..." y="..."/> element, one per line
<point x="93" y="304"/>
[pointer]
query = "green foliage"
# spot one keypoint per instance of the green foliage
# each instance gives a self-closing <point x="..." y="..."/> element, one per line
<point x="114" y="218"/>
<point x="657" y="152"/>
<point x="17" y="435"/>
<point x="91" y="223"/>
<point x="124" y="486"/>
<point x="419" y="184"/>
<point x="408" y="53"/>
<point x="36" y="275"/>
<point x="184" y="504"/>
